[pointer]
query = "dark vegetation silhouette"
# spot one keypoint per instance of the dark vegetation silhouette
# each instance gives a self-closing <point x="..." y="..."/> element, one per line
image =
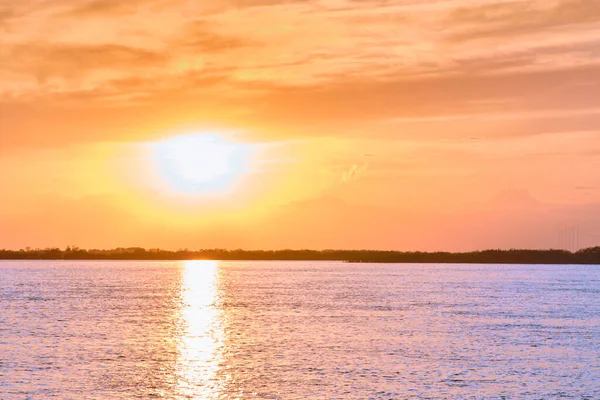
<point x="585" y="256"/>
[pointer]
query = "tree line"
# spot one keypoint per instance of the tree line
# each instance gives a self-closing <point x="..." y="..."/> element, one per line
<point x="514" y="256"/>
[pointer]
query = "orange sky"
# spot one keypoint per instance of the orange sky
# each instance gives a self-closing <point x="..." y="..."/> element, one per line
<point x="398" y="124"/>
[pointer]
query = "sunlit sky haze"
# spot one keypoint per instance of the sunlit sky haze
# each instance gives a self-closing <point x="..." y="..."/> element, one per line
<point x="398" y="124"/>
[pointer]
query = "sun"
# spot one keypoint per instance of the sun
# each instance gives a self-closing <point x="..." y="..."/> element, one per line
<point x="200" y="163"/>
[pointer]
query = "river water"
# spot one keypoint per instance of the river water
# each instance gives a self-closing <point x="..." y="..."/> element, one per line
<point x="298" y="330"/>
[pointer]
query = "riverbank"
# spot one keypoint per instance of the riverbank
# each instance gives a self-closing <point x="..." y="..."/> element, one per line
<point x="518" y="256"/>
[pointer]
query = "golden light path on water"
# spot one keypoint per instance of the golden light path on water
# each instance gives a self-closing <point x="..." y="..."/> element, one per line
<point x="200" y="346"/>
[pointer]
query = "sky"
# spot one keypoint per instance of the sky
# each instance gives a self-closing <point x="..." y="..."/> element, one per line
<point x="383" y="124"/>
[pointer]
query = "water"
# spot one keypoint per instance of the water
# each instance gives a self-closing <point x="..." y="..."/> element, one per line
<point x="297" y="330"/>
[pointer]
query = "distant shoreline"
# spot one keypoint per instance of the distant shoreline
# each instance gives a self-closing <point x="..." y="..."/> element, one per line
<point x="585" y="256"/>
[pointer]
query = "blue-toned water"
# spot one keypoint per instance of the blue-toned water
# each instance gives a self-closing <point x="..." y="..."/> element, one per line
<point x="298" y="330"/>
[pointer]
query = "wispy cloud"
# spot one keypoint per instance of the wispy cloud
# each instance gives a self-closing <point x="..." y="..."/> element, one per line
<point x="516" y="18"/>
<point x="312" y="64"/>
<point x="354" y="172"/>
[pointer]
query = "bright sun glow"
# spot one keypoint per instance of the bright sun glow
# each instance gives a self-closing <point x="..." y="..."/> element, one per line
<point x="201" y="163"/>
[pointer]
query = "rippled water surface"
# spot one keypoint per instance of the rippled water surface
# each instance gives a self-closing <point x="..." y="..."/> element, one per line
<point x="297" y="330"/>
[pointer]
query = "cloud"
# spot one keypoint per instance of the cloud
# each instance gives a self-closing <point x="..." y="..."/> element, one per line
<point x="354" y="172"/>
<point x="5" y="18"/>
<point x="502" y="19"/>
<point x="201" y="36"/>
<point x="103" y="8"/>
<point x="460" y="93"/>
<point x="455" y="105"/>
<point x="266" y="65"/>
<point x="65" y="60"/>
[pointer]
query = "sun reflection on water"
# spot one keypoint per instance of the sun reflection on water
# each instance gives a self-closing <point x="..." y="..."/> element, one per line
<point x="200" y="347"/>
